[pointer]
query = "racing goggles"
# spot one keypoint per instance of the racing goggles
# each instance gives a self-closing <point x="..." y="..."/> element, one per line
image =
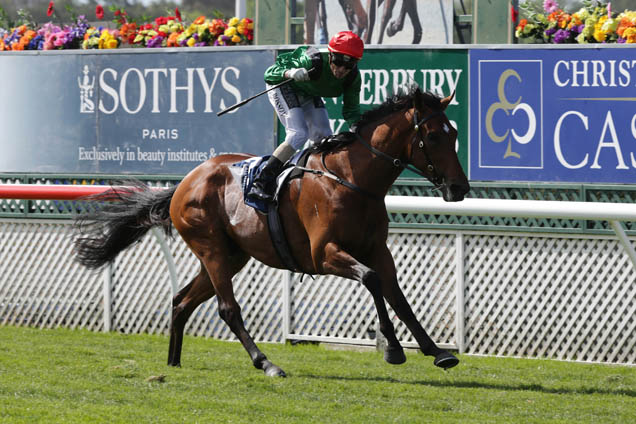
<point x="339" y="59"/>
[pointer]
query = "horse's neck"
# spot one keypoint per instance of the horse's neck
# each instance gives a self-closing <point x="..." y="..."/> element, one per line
<point x="375" y="172"/>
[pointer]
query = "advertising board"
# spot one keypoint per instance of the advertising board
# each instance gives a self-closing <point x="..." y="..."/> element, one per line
<point x="133" y="111"/>
<point x="553" y="115"/>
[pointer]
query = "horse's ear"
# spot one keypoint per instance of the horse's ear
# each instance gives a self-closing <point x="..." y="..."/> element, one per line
<point x="446" y="101"/>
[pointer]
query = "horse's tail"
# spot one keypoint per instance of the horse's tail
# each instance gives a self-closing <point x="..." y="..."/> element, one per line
<point x="122" y="216"/>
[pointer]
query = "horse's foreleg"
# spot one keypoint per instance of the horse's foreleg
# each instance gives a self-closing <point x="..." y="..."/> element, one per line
<point x="339" y="262"/>
<point x="415" y="20"/>
<point x="184" y="303"/>
<point x="371" y="21"/>
<point x="230" y="312"/>
<point x="388" y="11"/>
<point x="394" y="295"/>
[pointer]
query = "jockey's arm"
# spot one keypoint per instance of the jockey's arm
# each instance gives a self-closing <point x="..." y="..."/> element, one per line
<point x="286" y="61"/>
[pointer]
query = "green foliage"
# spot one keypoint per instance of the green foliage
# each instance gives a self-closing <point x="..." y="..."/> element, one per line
<point x="82" y="377"/>
<point x="5" y="20"/>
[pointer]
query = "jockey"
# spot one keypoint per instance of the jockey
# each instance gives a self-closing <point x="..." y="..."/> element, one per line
<point x="299" y="104"/>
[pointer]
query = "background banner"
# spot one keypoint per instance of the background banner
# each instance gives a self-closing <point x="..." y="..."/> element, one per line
<point x="554" y="115"/>
<point x="385" y="71"/>
<point x="377" y="22"/>
<point x="131" y="112"/>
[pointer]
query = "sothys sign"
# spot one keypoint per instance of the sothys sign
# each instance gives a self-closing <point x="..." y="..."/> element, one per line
<point x="554" y="115"/>
<point x="142" y="112"/>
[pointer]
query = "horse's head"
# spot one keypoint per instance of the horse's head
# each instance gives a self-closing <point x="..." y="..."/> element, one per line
<point x="432" y="149"/>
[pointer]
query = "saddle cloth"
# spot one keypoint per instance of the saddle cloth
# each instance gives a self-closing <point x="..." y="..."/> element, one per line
<point x="250" y="168"/>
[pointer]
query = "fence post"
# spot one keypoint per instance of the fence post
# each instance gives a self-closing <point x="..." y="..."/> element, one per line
<point x="107" y="294"/>
<point x="287" y="307"/>
<point x="460" y="286"/>
<point x="165" y="249"/>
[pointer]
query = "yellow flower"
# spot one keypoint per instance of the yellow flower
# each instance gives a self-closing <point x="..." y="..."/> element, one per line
<point x="191" y="42"/>
<point x="233" y="22"/>
<point x="112" y="43"/>
<point x="230" y="32"/>
<point x="236" y="39"/>
<point x="599" y="35"/>
<point x="630" y="35"/>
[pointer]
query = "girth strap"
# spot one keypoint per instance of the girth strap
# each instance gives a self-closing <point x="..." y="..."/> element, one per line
<point x="279" y="240"/>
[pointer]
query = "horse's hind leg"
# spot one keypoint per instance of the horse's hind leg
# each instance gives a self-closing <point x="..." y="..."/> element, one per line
<point x="221" y="268"/>
<point x="184" y="303"/>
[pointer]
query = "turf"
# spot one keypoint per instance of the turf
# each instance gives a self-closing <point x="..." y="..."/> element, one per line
<point x="76" y="376"/>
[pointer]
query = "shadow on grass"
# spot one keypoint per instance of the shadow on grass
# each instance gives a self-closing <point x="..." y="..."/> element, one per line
<point x="479" y="385"/>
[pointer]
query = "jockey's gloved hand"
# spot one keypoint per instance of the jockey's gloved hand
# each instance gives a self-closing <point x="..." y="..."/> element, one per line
<point x="297" y="74"/>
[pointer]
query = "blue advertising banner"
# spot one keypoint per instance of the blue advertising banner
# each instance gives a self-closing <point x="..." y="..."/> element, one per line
<point x="131" y="112"/>
<point x="553" y="115"/>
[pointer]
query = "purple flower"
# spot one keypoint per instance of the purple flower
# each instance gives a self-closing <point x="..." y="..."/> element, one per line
<point x="550" y="31"/>
<point x="621" y="40"/>
<point x="561" y="36"/>
<point x="155" y="41"/>
<point x="36" y="43"/>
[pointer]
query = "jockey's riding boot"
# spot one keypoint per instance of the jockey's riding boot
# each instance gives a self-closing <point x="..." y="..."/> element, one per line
<point x="263" y="186"/>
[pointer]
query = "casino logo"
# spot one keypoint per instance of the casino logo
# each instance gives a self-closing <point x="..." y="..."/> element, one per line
<point x="510" y="109"/>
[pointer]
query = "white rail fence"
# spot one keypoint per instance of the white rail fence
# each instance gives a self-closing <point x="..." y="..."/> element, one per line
<point x="551" y="295"/>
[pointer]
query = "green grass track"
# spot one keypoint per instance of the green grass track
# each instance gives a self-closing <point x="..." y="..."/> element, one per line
<point x="76" y="376"/>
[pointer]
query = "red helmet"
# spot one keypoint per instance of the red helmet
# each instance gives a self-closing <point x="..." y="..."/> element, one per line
<point x="346" y="42"/>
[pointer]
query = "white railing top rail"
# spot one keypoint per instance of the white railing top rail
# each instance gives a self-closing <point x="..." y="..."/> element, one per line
<point x="612" y="212"/>
<point x="513" y="208"/>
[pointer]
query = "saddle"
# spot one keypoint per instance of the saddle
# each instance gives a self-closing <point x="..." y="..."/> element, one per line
<point x="293" y="168"/>
<point x="249" y="169"/>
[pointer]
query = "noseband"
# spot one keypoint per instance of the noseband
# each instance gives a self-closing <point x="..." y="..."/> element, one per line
<point x="434" y="177"/>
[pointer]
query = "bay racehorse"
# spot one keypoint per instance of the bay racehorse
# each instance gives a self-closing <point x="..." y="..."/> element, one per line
<point x="332" y="228"/>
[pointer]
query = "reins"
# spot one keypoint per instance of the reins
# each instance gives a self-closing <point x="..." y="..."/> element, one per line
<point x="333" y="176"/>
<point x="435" y="179"/>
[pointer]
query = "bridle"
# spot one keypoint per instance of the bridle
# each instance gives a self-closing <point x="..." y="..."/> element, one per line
<point x="434" y="177"/>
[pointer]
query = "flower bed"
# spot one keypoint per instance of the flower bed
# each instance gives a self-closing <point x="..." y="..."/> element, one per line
<point x="164" y="31"/>
<point x="595" y="22"/>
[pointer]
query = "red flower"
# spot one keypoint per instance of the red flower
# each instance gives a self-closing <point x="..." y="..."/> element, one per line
<point x="514" y="15"/>
<point x="161" y="20"/>
<point x="177" y="13"/>
<point x="99" y="12"/>
<point x="50" y="10"/>
<point x="117" y="12"/>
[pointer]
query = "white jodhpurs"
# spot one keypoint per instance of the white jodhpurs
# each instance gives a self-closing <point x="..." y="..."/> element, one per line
<point x="304" y="118"/>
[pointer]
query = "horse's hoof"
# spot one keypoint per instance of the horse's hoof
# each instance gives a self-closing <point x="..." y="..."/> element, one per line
<point x="445" y="360"/>
<point x="394" y="355"/>
<point x="392" y="29"/>
<point x="274" y="371"/>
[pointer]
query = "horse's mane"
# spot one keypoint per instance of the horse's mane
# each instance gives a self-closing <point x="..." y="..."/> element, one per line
<point x="398" y="102"/>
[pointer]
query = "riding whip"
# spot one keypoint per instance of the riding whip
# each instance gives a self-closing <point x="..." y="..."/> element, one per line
<point x="241" y="103"/>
